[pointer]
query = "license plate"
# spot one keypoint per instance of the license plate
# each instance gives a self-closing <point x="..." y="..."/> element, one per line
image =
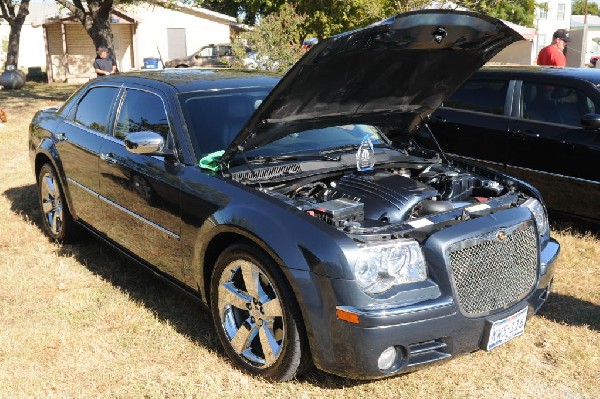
<point x="506" y="329"/>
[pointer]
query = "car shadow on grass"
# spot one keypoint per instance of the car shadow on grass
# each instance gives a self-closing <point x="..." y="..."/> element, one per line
<point x="169" y="303"/>
<point x="565" y="309"/>
<point x="180" y="309"/>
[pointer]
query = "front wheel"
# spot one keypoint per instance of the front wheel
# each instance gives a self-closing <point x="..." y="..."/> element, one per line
<point x="256" y="317"/>
<point x="56" y="218"/>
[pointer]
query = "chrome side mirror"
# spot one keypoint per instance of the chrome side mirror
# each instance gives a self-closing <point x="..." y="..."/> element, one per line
<point x="590" y="121"/>
<point x="145" y="143"/>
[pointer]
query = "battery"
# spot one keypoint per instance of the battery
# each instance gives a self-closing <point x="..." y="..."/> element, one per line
<point x="338" y="211"/>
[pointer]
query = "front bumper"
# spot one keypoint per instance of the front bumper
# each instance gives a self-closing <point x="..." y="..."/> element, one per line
<point x="421" y="333"/>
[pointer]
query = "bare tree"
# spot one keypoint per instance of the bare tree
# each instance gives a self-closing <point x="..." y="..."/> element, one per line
<point x="15" y="16"/>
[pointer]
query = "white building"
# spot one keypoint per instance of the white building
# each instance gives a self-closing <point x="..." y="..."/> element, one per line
<point x="557" y="16"/>
<point x="32" y="53"/>
<point x="54" y="41"/>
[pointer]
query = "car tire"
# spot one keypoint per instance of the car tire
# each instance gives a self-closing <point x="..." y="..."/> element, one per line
<point x="259" y="325"/>
<point x="57" y="221"/>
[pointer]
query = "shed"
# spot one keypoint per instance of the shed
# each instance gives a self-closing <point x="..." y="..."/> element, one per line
<point x="144" y="30"/>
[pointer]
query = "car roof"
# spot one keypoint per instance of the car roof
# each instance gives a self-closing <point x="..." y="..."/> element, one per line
<point x="187" y="80"/>
<point x="520" y="71"/>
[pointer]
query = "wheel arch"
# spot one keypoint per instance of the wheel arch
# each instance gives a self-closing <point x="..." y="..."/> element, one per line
<point x="44" y="157"/>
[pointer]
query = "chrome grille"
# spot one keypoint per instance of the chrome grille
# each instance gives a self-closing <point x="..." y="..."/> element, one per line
<point x="493" y="271"/>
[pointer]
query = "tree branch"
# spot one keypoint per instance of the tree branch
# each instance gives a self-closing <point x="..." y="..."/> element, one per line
<point x="76" y="8"/>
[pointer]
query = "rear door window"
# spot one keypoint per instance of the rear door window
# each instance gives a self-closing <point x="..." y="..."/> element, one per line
<point x="481" y="96"/>
<point x="555" y="104"/>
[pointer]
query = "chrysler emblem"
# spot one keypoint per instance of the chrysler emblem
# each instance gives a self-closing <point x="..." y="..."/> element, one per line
<point x="501" y="236"/>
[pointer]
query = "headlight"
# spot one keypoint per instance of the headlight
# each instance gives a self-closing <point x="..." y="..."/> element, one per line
<point x="539" y="213"/>
<point x="379" y="267"/>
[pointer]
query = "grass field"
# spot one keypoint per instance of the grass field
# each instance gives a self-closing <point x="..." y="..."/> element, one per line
<point x="82" y="321"/>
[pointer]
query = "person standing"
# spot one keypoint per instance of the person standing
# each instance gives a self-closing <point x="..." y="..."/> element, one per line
<point x="553" y="54"/>
<point x="103" y="64"/>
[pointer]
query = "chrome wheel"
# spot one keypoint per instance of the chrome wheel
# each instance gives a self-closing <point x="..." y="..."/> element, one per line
<point x="251" y="313"/>
<point x="57" y="221"/>
<point x="52" y="203"/>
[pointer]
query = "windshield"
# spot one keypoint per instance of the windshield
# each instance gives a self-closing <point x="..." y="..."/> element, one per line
<point x="215" y="118"/>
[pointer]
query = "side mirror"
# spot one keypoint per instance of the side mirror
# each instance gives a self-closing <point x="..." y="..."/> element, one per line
<point x="146" y="142"/>
<point x="590" y="121"/>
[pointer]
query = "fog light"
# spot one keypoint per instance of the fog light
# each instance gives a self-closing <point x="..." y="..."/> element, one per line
<point x="387" y="358"/>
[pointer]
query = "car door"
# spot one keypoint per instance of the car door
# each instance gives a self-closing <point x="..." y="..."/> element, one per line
<point x="551" y="150"/>
<point x="80" y="138"/>
<point x="141" y="192"/>
<point x="207" y="56"/>
<point x="473" y="122"/>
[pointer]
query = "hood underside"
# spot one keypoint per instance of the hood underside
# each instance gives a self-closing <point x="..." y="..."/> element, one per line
<point x="392" y="74"/>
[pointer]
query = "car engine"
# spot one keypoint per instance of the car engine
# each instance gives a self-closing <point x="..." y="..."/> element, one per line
<point x="386" y="196"/>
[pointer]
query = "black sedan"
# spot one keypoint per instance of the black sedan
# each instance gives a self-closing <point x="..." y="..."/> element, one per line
<point x="313" y="237"/>
<point x="537" y="123"/>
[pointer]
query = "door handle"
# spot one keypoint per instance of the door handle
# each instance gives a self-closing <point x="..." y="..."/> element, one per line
<point x="526" y="133"/>
<point x="108" y="158"/>
<point x="61" y="136"/>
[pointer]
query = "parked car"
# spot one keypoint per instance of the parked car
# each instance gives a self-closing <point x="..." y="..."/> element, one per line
<point x="537" y="123"/>
<point x="213" y="55"/>
<point x="312" y="236"/>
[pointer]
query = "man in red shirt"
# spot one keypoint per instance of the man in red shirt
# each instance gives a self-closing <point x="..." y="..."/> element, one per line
<point x="553" y="53"/>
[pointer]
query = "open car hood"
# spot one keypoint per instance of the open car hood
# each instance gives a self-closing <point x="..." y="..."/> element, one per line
<point x="394" y="73"/>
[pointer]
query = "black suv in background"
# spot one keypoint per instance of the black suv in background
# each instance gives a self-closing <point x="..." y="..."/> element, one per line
<point x="537" y="123"/>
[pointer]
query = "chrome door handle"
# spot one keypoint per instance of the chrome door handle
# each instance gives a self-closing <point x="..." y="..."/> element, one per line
<point x="526" y="133"/>
<point x="108" y="158"/>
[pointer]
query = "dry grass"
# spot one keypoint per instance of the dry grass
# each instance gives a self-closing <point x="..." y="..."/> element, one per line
<point x="81" y="321"/>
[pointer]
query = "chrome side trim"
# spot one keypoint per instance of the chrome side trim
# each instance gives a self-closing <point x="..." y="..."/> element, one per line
<point x="123" y="209"/>
<point x="440" y="303"/>
<point x="88" y="190"/>
<point x="143" y="219"/>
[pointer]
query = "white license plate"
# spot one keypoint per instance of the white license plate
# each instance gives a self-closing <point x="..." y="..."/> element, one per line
<point x="506" y="329"/>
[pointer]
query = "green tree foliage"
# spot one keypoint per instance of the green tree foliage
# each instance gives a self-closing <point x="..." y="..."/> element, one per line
<point x="521" y="12"/>
<point x="579" y="8"/>
<point x="247" y="10"/>
<point x="276" y="39"/>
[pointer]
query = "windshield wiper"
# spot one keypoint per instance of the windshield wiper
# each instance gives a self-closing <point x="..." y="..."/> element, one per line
<point x="274" y="158"/>
<point x="350" y="147"/>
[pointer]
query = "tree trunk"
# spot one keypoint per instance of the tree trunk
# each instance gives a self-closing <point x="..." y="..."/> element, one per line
<point x="95" y="19"/>
<point x="16" y="23"/>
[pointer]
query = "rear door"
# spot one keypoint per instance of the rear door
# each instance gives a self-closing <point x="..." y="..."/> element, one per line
<point x="141" y="192"/>
<point x="473" y="122"/>
<point x="80" y="138"/>
<point x="551" y="150"/>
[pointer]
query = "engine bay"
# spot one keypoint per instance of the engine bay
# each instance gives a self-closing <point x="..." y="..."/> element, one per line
<point x="386" y="196"/>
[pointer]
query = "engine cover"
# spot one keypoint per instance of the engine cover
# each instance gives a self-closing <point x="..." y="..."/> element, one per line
<point x="387" y="197"/>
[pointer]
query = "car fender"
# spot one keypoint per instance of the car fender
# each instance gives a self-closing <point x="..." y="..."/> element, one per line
<point x="319" y="248"/>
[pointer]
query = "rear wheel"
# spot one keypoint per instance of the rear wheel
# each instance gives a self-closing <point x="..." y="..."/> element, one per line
<point x="257" y="319"/>
<point x="56" y="218"/>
